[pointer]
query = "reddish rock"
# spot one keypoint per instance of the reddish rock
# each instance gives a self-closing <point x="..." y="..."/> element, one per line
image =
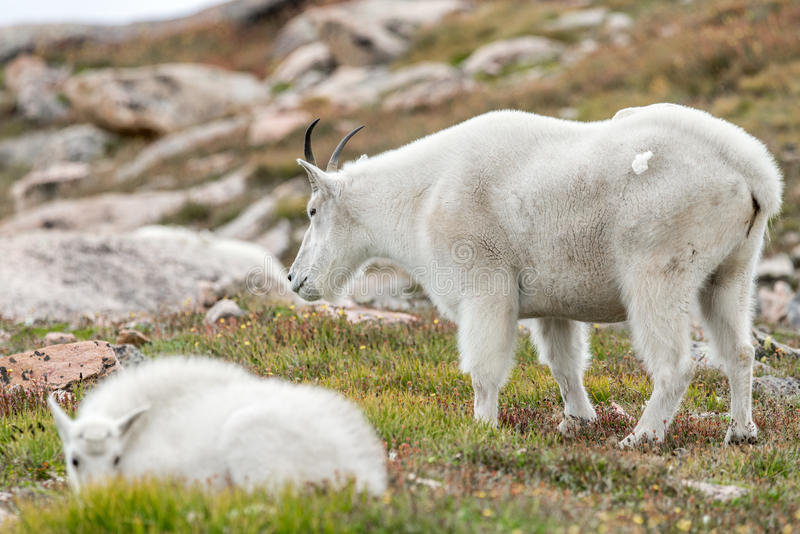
<point x="132" y="337"/>
<point x="58" y="366"/>
<point x="59" y="338"/>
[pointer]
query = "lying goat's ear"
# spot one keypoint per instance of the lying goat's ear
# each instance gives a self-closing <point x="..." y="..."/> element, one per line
<point x="63" y="421"/>
<point x="318" y="179"/>
<point x="125" y="422"/>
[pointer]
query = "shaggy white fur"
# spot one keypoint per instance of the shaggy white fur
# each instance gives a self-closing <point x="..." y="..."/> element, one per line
<point x="513" y="215"/>
<point x="202" y="420"/>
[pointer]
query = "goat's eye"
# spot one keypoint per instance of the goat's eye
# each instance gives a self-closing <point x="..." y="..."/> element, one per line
<point x="116" y="461"/>
<point x="75" y="462"/>
<point x="312" y="212"/>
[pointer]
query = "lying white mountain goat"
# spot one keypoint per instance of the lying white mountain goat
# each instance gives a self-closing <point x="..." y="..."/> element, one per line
<point x="511" y="215"/>
<point x="202" y="420"/>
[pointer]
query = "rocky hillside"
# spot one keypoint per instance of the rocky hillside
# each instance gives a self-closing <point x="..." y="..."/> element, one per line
<point x="105" y="132"/>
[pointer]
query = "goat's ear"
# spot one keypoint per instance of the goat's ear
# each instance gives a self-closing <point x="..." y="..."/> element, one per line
<point x="125" y="422"/>
<point x="318" y="179"/>
<point x="63" y="421"/>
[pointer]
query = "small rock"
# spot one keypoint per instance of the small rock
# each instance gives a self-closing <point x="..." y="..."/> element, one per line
<point x="128" y="355"/>
<point x="427" y="482"/>
<point x="223" y="309"/>
<point x="59" y="338"/>
<point x="766" y="346"/>
<point x="777" y="267"/>
<point x="618" y="22"/>
<point x="706" y="415"/>
<point x="774" y="303"/>
<point x="700" y="356"/>
<point x="775" y="386"/>
<point x="213" y="164"/>
<point x="795" y="255"/>
<point x="580" y="20"/>
<point x="59" y="366"/>
<point x="132" y="337"/>
<point x="313" y="57"/>
<point x="492" y="58"/>
<point x="568" y="113"/>
<point x="790" y="239"/>
<point x="359" y="315"/>
<point x="272" y="124"/>
<point x="48" y="183"/>
<point x="715" y="492"/>
<point x="620" y="411"/>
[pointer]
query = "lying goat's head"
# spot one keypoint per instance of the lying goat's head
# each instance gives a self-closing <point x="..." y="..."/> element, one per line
<point x="333" y="244"/>
<point x="93" y="446"/>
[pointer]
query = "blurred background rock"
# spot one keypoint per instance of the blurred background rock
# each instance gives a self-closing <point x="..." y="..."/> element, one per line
<point x="196" y="122"/>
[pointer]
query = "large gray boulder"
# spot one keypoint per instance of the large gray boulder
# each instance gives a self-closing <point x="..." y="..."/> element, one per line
<point x="183" y="142"/>
<point x="162" y="98"/>
<point x="492" y="59"/>
<point x="414" y="86"/>
<point x="364" y="32"/>
<point x="305" y="66"/>
<point x="63" y="275"/>
<point x="36" y="87"/>
<point x="80" y="142"/>
<point x="122" y="212"/>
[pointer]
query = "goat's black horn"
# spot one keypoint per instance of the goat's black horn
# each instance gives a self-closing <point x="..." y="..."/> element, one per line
<point x="309" y="152"/>
<point x="333" y="164"/>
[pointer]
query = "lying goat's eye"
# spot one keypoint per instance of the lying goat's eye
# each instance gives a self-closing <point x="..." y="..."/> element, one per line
<point x="75" y="462"/>
<point x="312" y="212"/>
<point x="116" y="461"/>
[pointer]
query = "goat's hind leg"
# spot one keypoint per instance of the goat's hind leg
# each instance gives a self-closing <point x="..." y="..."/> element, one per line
<point x="563" y="345"/>
<point x="725" y="303"/>
<point x="659" y="316"/>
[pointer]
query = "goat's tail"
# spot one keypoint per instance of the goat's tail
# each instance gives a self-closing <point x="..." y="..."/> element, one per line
<point x="766" y="186"/>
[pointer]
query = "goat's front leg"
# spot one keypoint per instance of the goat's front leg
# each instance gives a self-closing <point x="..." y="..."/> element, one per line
<point x="487" y="333"/>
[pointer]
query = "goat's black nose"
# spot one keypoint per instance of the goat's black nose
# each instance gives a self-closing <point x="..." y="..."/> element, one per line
<point x="290" y="277"/>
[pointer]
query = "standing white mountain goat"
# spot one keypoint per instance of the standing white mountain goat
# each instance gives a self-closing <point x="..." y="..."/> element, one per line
<point x="512" y="215"/>
<point x="201" y="420"/>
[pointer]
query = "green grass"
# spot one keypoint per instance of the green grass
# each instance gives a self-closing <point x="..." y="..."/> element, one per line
<point x="522" y="475"/>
